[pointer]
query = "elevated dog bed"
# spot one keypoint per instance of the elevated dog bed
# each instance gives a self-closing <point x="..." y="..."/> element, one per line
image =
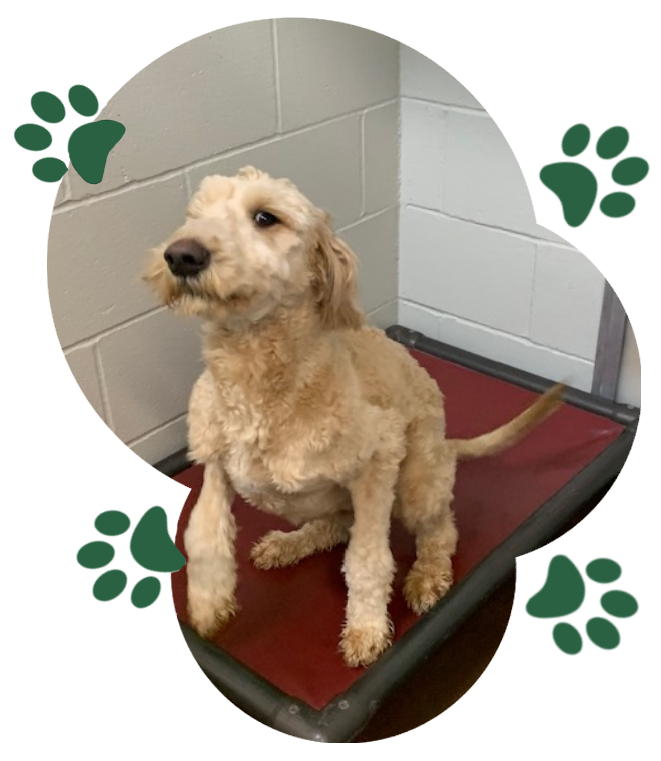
<point x="278" y="659"/>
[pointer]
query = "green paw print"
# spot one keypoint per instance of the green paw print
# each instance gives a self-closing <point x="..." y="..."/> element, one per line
<point x="576" y="186"/>
<point x="151" y="547"/>
<point x="564" y="592"/>
<point x="89" y="144"/>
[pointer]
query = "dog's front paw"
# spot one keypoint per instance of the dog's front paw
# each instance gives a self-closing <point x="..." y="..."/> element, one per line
<point x="211" y="598"/>
<point x="424" y="586"/>
<point x="208" y="613"/>
<point x="211" y="601"/>
<point x="277" y="549"/>
<point x="362" y="646"/>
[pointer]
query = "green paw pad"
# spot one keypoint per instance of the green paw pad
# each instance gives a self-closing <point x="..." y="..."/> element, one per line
<point x="89" y="144"/>
<point x="151" y="547"/>
<point x="564" y="592"/>
<point x="576" y="186"/>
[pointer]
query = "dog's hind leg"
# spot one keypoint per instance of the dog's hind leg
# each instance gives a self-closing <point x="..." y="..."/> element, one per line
<point x="431" y="574"/>
<point x="278" y="549"/>
<point x="425" y="489"/>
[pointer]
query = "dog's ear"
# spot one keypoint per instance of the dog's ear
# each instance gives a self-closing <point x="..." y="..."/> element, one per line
<point x="334" y="269"/>
<point x="209" y="189"/>
<point x="250" y="173"/>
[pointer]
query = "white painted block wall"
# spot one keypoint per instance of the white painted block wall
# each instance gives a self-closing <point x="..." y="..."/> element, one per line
<point x="315" y="101"/>
<point x="476" y="271"/>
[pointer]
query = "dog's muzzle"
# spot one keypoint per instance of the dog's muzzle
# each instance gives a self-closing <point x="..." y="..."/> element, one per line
<point x="186" y="257"/>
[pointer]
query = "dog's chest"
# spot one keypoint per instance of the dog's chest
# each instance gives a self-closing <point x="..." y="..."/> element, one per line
<point x="261" y="456"/>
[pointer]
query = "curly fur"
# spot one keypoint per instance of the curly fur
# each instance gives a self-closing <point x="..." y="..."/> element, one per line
<point x="308" y="413"/>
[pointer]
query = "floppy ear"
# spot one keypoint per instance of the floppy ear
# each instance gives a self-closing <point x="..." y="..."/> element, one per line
<point x="334" y="268"/>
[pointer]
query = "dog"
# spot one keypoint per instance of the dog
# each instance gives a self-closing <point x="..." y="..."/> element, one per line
<point x="307" y="412"/>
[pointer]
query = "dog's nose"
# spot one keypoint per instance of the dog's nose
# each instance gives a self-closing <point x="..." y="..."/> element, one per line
<point x="186" y="257"/>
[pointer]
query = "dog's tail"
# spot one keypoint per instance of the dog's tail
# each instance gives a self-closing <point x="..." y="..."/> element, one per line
<point x="496" y="441"/>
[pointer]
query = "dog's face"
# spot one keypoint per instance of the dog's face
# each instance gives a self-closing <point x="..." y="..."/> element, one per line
<point x="251" y="243"/>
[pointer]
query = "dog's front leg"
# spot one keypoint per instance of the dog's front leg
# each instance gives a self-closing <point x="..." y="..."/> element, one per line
<point x="368" y="563"/>
<point x="209" y="542"/>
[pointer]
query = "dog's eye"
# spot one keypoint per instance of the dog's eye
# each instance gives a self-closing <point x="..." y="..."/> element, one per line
<point x="265" y="219"/>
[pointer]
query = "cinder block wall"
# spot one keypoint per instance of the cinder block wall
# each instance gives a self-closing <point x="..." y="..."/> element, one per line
<point x="316" y="101"/>
<point x="476" y="271"/>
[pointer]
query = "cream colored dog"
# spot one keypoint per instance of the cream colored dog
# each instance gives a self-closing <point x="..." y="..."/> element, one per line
<point x="305" y="411"/>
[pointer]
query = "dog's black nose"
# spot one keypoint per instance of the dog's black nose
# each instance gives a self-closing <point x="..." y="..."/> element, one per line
<point x="186" y="257"/>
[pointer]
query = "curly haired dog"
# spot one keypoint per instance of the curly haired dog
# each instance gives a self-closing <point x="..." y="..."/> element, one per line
<point x="305" y="411"/>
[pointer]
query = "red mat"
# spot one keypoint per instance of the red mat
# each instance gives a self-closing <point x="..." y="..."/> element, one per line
<point x="289" y="622"/>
